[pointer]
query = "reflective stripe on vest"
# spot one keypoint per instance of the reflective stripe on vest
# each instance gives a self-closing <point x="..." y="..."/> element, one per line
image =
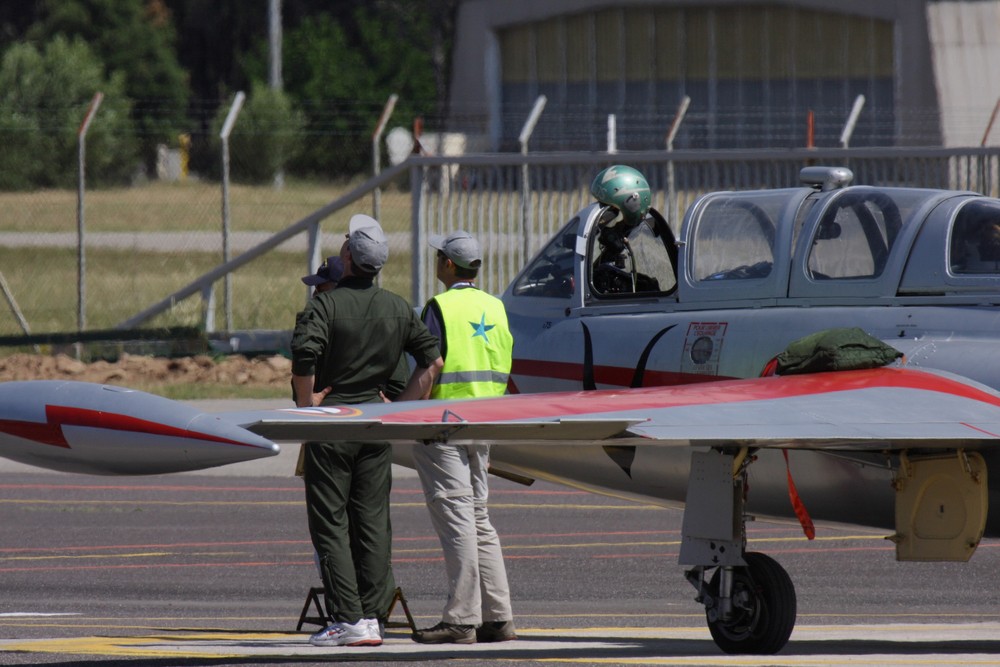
<point x="479" y="345"/>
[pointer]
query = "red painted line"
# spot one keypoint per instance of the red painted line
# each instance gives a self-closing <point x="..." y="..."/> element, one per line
<point x="138" y="566"/>
<point x="661" y="554"/>
<point x="505" y="537"/>
<point x="181" y="545"/>
<point x="297" y="488"/>
<point x="981" y="430"/>
<point x="508" y="492"/>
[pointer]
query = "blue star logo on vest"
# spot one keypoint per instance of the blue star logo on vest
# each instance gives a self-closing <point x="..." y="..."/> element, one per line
<point x="481" y="328"/>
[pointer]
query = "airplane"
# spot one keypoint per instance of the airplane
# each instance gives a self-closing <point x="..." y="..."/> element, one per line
<point x="642" y="369"/>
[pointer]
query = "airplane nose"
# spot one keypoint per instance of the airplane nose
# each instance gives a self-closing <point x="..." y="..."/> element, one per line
<point x="105" y="430"/>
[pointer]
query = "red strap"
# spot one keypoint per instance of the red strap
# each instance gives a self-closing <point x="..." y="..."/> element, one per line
<point x="769" y="368"/>
<point x="800" y="510"/>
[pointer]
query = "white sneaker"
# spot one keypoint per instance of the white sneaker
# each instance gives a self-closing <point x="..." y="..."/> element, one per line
<point x="348" y="634"/>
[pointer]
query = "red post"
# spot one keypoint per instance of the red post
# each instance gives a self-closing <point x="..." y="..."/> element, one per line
<point x="418" y="129"/>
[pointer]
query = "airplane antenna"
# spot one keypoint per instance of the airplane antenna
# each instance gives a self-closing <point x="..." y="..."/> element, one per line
<point x="826" y="178"/>
<point x="447" y="414"/>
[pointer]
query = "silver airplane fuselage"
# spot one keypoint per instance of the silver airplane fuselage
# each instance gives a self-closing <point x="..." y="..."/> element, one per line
<point x="747" y="274"/>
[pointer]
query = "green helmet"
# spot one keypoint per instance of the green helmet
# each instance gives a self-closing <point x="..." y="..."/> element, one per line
<point x="624" y="188"/>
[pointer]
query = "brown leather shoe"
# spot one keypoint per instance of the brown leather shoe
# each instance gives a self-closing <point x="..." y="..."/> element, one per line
<point x="496" y="631"/>
<point x="446" y="633"/>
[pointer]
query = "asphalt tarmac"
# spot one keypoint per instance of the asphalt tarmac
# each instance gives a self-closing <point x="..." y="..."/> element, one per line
<point x="214" y="569"/>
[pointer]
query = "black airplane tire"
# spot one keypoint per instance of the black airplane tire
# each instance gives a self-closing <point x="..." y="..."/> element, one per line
<point x="764" y="608"/>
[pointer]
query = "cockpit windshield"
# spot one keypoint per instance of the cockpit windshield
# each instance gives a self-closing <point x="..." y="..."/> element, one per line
<point x="857" y="231"/>
<point x="632" y="259"/>
<point x="551" y="274"/>
<point x="734" y="237"/>
<point x="975" y="238"/>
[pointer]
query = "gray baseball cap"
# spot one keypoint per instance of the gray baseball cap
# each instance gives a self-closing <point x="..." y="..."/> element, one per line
<point x="460" y="247"/>
<point x="368" y="245"/>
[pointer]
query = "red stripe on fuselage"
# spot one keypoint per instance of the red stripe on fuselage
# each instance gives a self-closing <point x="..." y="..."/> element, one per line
<point x="57" y="416"/>
<point x="565" y="404"/>
<point x="613" y="375"/>
<point x="47" y="433"/>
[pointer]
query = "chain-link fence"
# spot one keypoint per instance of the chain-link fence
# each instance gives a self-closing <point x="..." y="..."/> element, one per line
<point x="160" y="243"/>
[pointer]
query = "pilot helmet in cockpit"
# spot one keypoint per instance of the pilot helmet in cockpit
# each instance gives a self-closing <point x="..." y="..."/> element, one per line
<point x="625" y="189"/>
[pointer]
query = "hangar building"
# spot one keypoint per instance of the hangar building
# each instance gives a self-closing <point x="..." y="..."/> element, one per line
<point x="754" y="72"/>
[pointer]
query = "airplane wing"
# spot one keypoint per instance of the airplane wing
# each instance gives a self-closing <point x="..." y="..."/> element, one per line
<point x="317" y="426"/>
<point x="876" y="410"/>
<point x="97" y="429"/>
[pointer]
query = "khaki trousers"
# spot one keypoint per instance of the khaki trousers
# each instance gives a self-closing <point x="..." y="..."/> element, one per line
<point x="454" y="480"/>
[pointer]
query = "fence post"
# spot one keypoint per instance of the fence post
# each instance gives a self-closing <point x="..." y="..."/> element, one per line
<point x="417" y="237"/>
<point x="12" y="302"/>
<point x="989" y="125"/>
<point x="313" y="253"/>
<point x="852" y="120"/>
<point x="227" y="128"/>
<point x="208" y="306"/>
<point x="81" y="260"/>
<point x="526" y="217"/>
<point x="377" y="153"/>
<point x="673" y="208"/>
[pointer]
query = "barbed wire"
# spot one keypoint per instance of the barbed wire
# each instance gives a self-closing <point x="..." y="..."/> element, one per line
<point x="577" y="124"/>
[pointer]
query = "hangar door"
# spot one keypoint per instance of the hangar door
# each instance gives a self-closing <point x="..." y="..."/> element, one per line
<point x="752" y="73"/>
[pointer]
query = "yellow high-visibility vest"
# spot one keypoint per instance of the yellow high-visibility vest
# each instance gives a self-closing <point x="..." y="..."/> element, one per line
<point x="479" y="346"/>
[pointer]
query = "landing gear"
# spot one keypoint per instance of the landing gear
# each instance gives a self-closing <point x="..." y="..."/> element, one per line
<point x="761" y="606"/>
<point x="749" y="600"/>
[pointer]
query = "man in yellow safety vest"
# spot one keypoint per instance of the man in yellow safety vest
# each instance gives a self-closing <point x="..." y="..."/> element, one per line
<point x="476" y="345"/>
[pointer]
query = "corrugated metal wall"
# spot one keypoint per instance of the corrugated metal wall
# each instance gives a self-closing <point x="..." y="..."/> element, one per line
<point x="752" y="74"/>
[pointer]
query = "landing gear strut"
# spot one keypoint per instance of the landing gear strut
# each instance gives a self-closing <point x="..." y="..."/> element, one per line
<point x="758" y="614"/>
<point x="749" y="599"/>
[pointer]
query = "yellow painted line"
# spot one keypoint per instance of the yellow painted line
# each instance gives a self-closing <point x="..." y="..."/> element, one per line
<point x="132" y="501"/>
<point x="614" y="631"/>
<point x="512" y="547"/>
<point x="620" y="545"/>
<point x="138" y="646"/>
<point x="802" y="538"/>
<point x="580" y="545"/>
<point x="151" y="625"/>
<point x="977" y="615"/>
<point x="193" y="645"/>
<point x="768" y="661"/>
<point x="102" y="556"/>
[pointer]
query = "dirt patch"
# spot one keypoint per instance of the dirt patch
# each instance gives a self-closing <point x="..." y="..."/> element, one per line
<point x="137" y="370"/>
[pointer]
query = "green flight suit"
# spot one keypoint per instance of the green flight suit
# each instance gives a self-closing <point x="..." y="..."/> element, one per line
<point x="351" y="339"/>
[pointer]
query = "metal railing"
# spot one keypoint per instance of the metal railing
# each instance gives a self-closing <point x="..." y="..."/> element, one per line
<point x="485" y="194"/>
<point x="495" y="196"/>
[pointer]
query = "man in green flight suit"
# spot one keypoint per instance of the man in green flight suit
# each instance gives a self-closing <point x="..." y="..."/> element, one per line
<point x="345" y="346"/>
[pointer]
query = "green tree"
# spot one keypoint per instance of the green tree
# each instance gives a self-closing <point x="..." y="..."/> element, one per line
<point x="341" y="70"/>
<point x="267" y="134"/>
<point x="44" y="96"/>
<point x="136" y="38"/>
